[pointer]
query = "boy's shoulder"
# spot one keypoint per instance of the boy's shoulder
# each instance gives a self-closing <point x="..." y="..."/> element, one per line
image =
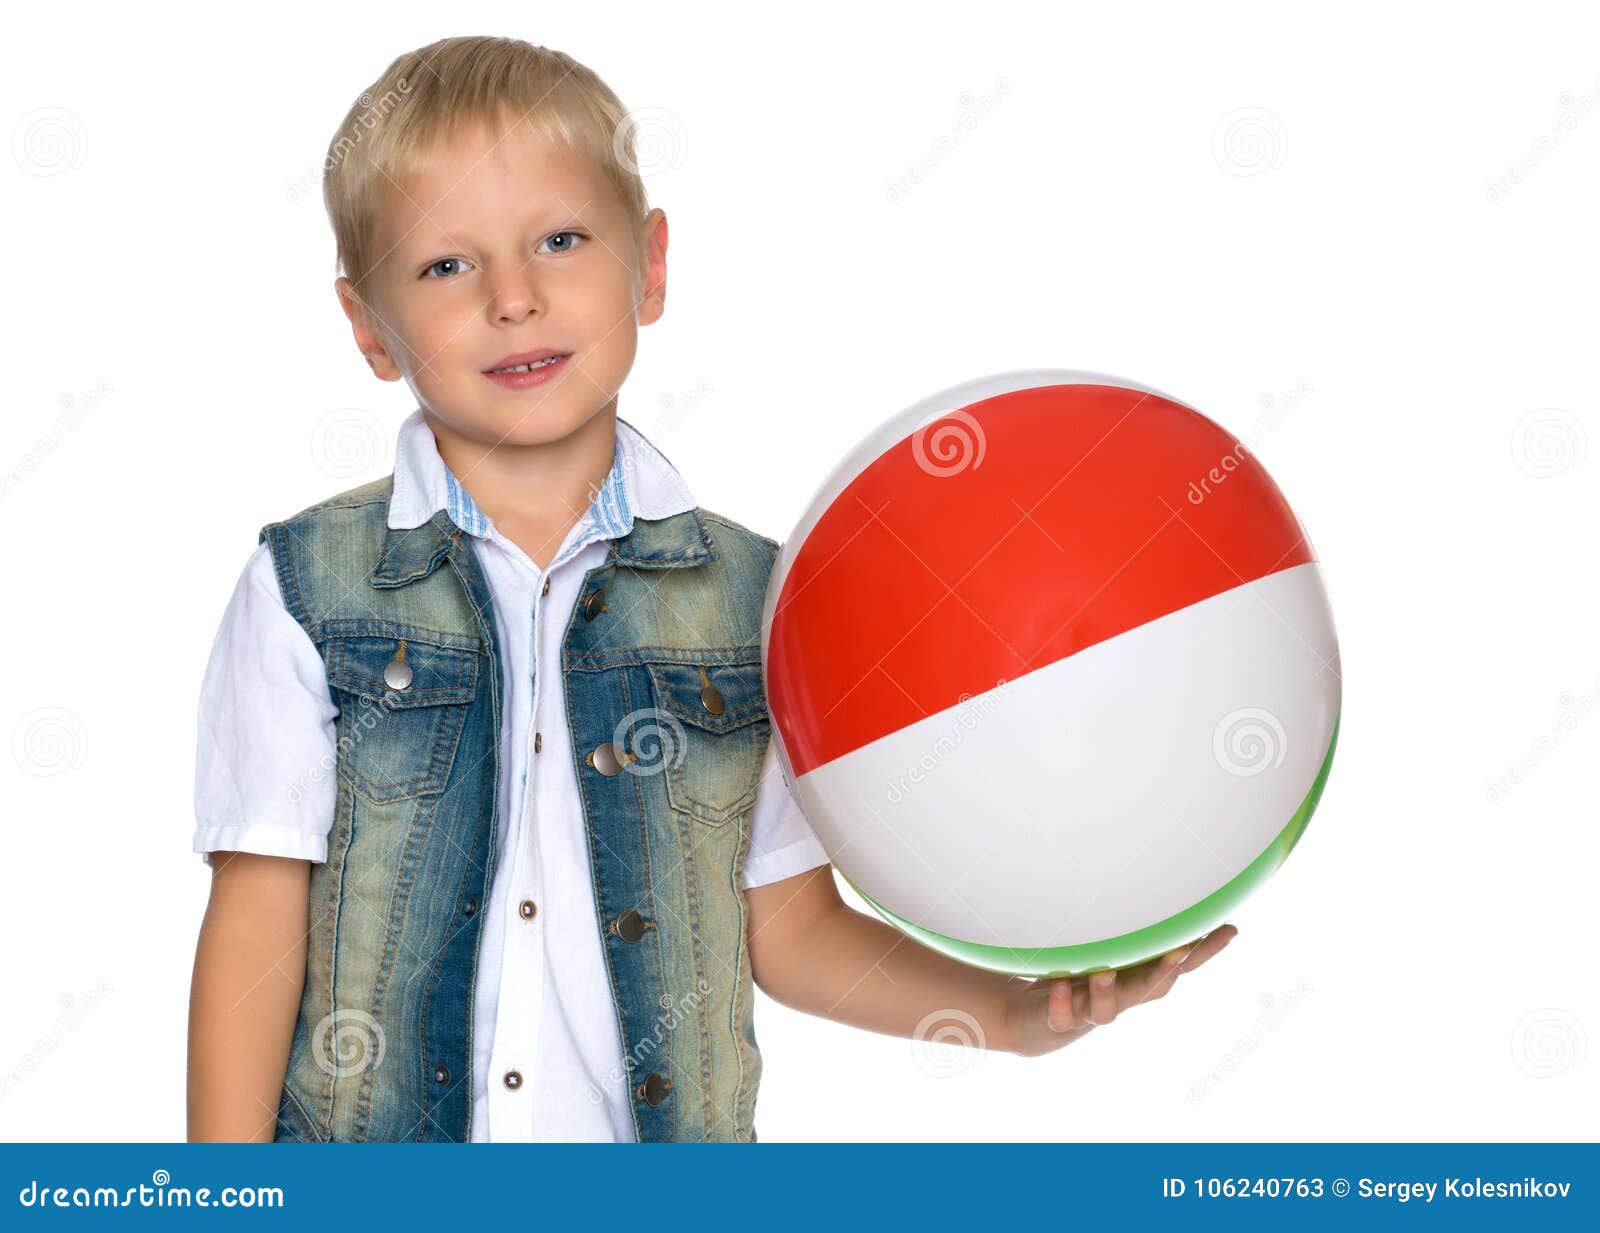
<point x="375" y="492"/>
<point x="738" y="532"/>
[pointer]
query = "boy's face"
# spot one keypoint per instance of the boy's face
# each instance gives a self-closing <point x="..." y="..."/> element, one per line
<point x="499" y="246"/>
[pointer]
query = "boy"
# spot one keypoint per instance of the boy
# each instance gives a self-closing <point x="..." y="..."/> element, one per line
<point x="498" y="843"/>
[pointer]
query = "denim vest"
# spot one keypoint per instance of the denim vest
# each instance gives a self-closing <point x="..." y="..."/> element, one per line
<point x="661" y="661"/>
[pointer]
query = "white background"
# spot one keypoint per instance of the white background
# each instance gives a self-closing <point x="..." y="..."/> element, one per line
<point x="1236" y="206"/>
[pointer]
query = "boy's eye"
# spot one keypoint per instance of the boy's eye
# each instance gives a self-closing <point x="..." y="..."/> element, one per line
<point x="445" y="261"/>
<point x="563" y="241"/>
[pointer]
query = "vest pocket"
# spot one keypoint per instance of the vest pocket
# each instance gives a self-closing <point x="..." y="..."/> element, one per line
<point x="294" y="1124"/>
<point x="712" y="736"/>
<point x="402" y="703"/>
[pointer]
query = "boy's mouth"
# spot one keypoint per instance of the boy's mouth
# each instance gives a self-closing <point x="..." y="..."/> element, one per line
<point x="528" y="368"/>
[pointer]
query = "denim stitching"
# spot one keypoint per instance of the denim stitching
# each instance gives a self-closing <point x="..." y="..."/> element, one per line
<point x="310" y="1124"/>
<point x="469" y="577"/>
<point x="605" y="951"/>
<point x="398" y="913"/>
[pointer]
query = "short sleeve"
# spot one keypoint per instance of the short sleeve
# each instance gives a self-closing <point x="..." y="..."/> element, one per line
<point x="265" y="755"/>
<point x="782" y="842"/>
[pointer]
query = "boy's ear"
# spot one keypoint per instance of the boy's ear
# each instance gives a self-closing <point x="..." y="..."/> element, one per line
<point x="367" y="338"/>
<point x="653" y="299"/>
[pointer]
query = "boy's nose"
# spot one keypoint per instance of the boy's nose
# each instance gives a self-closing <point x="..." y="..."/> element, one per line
<point x="516" y="298"/>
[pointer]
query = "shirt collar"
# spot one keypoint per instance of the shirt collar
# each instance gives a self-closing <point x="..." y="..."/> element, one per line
<point x="641" y="483"/>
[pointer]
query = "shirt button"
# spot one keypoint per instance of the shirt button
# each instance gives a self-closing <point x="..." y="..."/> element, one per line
<point x="545" y="589"/>
<point x="513" y="1079"/>
<point x="528" y="909"/>
<point x="594" y="605"/>
<point x="441" y="1074"/>
<point x="538" y="742"/>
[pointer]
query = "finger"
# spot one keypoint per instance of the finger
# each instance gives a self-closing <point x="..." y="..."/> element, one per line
<point x="1155" y="978"/>
<point x="1163" y="975"/>
<point x="1151" y="969"/>
<point x="1157" y="974"/>
<point x="1208" y="946"/>
<point x="1058" y="1010"/>
<point x="1069" y="1006"/>
<point x="1102" y="998"/>
<point x="1134" y="970"/>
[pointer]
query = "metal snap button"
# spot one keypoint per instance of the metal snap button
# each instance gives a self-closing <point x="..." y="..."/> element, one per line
<point x="594" y="605"/>
<point x="397" y="673"/>
<point x="710" y="695"/>
<point x="653" y="1090"/>
<point x="608" y="759"/>
<point x="630" y="926"/>
<point x="471" y="908"/>
<point x="441" y="1074"/>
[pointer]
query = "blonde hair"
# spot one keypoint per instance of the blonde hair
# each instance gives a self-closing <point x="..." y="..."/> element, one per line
<point x="434" y="93"/>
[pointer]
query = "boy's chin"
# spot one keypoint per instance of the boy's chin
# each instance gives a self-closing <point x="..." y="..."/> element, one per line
<point x="534" y="418"/>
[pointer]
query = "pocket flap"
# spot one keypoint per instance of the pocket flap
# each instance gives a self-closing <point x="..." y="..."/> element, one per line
<point x="716" y="697"/>
<point x="439" y="674"/>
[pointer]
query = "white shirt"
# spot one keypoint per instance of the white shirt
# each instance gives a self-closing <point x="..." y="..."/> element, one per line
<point x="264" y="782"/>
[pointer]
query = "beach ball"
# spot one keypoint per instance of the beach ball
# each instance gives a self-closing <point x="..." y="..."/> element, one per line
<point x="1052" y="672"/>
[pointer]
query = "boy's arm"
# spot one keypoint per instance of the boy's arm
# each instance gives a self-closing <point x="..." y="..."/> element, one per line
<point x="813" y="952"/>
<point x="249" y="973"/>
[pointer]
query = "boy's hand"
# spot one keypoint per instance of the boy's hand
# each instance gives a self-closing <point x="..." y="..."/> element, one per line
<point x="1044" y="1015"/>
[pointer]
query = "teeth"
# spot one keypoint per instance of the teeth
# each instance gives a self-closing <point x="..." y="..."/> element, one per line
<point x="545" y="363"/>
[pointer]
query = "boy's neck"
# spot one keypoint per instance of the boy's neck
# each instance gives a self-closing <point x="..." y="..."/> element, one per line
<point x="533" y="493"/>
